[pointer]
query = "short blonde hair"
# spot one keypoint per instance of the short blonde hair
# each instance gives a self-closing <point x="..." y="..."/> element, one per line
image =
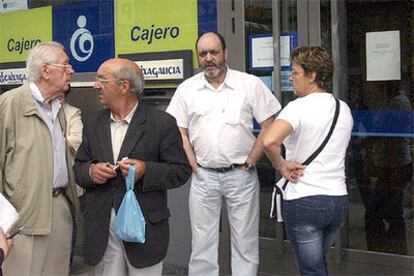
<point x="315" y="59"/>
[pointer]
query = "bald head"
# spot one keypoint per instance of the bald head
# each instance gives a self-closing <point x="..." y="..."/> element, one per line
<point x="125" y="69"/>
<point x="212" y="35"/>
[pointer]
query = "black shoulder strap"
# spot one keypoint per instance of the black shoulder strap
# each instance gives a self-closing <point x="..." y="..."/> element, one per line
<point x="335" y="119"/>
<point x="313" y="156"/>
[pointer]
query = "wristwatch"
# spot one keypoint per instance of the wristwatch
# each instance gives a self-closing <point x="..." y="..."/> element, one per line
<point x="248" y="166"/>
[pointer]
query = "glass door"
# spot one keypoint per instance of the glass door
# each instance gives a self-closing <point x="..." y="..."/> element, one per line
<point x="268" y="23"/>
<point x="380" y="74"/>
<point x="374" y="61"/>
<point x="373" y="54"/>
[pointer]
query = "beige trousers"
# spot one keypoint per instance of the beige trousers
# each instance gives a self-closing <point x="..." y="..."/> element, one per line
<point x="115" y="262"/>
<point x="45" y="255"/>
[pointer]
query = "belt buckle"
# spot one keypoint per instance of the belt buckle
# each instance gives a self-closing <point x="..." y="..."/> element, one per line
<point x="227" y="169"/>
<point x="222" y="170"/>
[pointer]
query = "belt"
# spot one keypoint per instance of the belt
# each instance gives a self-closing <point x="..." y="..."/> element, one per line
<point x="57" y="191"/>
<point x="223" y="169"/>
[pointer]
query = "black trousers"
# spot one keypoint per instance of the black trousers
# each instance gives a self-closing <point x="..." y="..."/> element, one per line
<point x="384" y="216"/>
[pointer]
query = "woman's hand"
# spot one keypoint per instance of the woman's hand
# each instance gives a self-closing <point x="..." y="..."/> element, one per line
<point x="290" y="170"/>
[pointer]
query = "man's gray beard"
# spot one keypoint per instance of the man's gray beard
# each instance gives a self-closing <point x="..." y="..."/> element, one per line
<point x="212" y="74"/>
<point x="215" y="73"/>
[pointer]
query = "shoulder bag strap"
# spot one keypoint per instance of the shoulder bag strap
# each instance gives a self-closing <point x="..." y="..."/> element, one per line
<point x="313" y="156"/>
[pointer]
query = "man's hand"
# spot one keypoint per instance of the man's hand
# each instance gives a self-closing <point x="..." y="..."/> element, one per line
<point x="5" y="244"/>
<point x="138" y="164"/>
<point x="290" y="170"/>
<point x="194" y="167"/>
<point x="101" y="172"/>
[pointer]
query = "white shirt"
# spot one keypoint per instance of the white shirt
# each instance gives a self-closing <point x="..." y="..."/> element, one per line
<point x="49" y="114"/>
<point x="311" y="118"/>
<point x="220" y="121"/>
<point x="118" y="131"/>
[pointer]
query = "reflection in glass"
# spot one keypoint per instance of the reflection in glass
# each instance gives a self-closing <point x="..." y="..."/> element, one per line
<point x="379" y="165"/>
<point x="389" y="173"/>
<point x="258" y="20"/>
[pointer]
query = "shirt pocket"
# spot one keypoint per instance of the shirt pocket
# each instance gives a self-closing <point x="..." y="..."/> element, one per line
<point x="233" y="107"/>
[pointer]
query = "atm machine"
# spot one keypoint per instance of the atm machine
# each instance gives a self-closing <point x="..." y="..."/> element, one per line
<point x="163" y="72"/>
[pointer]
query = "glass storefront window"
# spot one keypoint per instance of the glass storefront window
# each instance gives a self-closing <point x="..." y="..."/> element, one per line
<point x="258" y="24"/>
<point x="326" y="41"/>
<point x="379" y="165"/>
<point x="288" y="12"/>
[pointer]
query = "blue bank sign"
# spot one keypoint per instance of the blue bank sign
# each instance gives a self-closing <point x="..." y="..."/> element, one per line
<point x="12" y="76"/>
<point x="86" y="30"/>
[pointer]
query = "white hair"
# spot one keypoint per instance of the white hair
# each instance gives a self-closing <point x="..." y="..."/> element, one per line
<point x="38" y="55"/>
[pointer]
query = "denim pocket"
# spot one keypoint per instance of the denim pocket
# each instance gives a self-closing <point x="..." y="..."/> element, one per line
<point x="308" y="221"/>
<point x="309" y="215"/>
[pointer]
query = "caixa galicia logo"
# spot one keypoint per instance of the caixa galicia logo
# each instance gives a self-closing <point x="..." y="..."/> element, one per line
<point x="79" y="28"/>
<point x="81" y="42"/>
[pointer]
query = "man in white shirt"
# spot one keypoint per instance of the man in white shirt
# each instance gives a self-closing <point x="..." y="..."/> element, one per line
<point x="214" y="111"/>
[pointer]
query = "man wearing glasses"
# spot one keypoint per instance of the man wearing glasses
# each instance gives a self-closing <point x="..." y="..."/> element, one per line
<point x="127" y="133"/>
<point x="35" y="174"/>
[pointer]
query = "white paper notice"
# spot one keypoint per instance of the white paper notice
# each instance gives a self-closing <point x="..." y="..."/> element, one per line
<point x="262" y="52"/>
<point x="284" y="50"/>
<point x="383" y="56"/>
<point x="8" y="215"/>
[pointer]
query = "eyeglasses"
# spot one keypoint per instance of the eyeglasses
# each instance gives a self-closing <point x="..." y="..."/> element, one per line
<point x="294" y="73"/>
<point x="105" y="81"/>
<point x="66" y="66"/>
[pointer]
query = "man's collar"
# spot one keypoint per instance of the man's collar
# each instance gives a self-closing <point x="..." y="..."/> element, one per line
<point x="128" y="117"/>
<point x="34" y="89"/>
<point x="228" y="80"/>
<point x="37" y="95"/>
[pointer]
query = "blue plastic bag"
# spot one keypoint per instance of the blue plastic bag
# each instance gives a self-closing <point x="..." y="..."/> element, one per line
<point x="129" y="221"/>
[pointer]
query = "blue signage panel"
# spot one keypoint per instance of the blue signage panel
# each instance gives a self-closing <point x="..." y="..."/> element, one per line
<point x="86" y="29"/>
<point x="384" y="122"/>
<point x="207" y="16"/>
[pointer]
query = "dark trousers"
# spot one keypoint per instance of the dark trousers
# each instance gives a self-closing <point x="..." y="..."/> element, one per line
<point x="384" y="215"/>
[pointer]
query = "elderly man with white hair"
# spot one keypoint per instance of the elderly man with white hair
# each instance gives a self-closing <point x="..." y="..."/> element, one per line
<point x="35" y="174"/>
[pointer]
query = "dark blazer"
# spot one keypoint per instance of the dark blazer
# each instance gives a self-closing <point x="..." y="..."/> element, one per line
<point x="153" y="137"/>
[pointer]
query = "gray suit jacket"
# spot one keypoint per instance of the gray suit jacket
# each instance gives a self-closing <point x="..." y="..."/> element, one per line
<point x="152" y="136"/>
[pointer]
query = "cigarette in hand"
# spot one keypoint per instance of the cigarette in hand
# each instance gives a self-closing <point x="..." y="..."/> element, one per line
<point x="117" y="164"/>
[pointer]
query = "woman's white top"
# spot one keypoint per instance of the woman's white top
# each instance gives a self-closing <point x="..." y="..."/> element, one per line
<point x="311" y="118"/>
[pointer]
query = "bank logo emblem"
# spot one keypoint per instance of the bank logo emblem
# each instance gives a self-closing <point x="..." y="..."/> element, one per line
<point x="89" y="41"/>
<point x="81" y="42"/>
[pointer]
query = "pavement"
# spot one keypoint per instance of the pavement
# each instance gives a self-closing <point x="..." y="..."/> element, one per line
<point x="79" y="268"/>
